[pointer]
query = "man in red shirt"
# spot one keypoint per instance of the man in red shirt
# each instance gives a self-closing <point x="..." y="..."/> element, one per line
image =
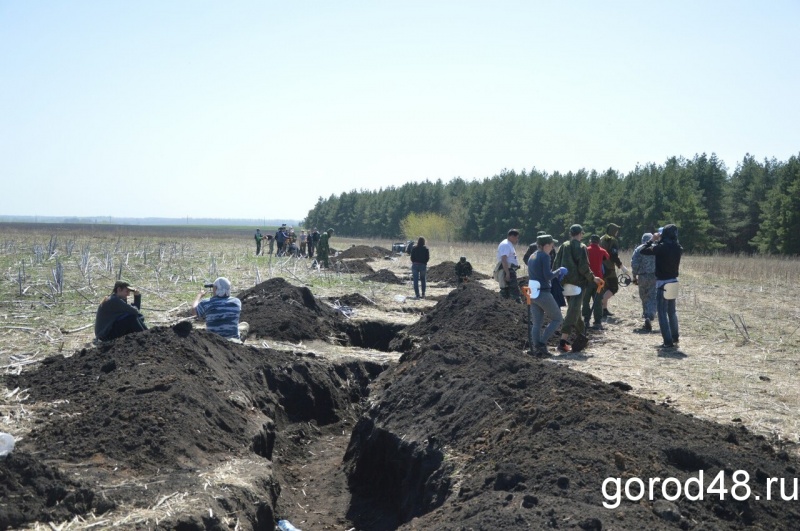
<point x="596" y="256"/>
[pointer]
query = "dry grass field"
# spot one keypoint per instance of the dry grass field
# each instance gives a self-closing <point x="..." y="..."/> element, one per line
<point x="739" y="316"/>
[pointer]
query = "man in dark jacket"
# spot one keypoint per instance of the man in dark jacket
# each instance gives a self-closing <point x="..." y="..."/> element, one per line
<point x="667" y="250"/>
<point x="115" y="317"/>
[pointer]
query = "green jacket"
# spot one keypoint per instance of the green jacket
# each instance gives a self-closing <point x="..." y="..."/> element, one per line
<point x="573" y="256"/>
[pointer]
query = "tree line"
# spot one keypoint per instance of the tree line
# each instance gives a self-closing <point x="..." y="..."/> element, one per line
<point x="754" y="209"/>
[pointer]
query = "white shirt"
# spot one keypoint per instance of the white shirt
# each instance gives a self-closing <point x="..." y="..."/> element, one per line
<point x="506" y="248"/>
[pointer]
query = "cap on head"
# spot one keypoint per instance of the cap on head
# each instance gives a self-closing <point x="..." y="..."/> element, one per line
<point x="463" y="258"/>
<point x="613" y="229"/>
<point x="513" y="232"/>
<point x="543" y="239"/>
<point x="575" y="230"/>
<point x="594" y="238"/>
<point x="223" y="287"/>
<point x="330" y="231"/>
<point x="646" y="237"/>
<point x="121" y="284"/>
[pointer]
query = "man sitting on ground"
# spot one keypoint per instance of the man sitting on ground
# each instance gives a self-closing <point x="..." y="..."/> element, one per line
<point x="221" y="311"/>
<point x="115" y="317"/>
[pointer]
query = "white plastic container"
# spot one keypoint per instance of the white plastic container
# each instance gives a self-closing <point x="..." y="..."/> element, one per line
<point x="571" y="290"/>
<point x="534" y="286"/>
<point x="671" y="291"/>
<point x="6" y="444"/>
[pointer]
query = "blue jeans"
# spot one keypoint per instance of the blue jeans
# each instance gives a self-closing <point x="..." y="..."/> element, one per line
<point x="667" y="317"/>
<point x="543" y="305"/>
<point x="418" y="273"/>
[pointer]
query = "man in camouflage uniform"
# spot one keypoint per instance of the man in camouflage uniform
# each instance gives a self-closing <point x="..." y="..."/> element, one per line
<point x="610" y="243"/>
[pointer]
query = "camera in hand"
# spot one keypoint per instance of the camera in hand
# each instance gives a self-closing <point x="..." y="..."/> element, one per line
<point x="208" y="285"/>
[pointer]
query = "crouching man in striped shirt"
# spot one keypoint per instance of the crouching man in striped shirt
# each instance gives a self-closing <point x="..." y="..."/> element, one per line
<point x="221" y="311"/>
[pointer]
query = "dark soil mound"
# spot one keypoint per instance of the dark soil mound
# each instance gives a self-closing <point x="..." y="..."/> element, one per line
<point x="446" y="273"/>
<point x="460" y="437"/>
<point x="364" y="251"/>
<point x="385" y="276"/>
<point x="352" y="266"/>
<point x="170" y="401"/>
<point x="471" y="314"/>
<point x="279" y="310"/>
<point x="31" y="491"/>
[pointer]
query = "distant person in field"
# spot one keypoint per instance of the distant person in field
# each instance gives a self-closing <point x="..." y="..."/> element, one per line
<point x="667" y="250"/>
<point x="271" y="241"/>
<point x="543" y="304"/>
<point x="463" y="270"/>
<point x="420" y="255"/>
<point x="258" y="237"/>
<point x="280" y="238"/>
<point x="592" y="307"/>
<point x="643" y="269"/>
<point x="115" y="317"/>
<point x="221" y="311"/>
<point x="313" y="241"/>
<point x="324" y="248"/>
<point x="507" y="265"/>
<point x="573" y="256"/>
<point x="303" y="242"/>
<point x="610" y="243"/>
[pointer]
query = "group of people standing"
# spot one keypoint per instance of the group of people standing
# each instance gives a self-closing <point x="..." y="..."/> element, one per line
<point x="585" y="278"/>
<point x="304" y="245"/>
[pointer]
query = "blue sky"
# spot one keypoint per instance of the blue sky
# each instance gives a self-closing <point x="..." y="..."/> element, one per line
<point x="255" y="109"/>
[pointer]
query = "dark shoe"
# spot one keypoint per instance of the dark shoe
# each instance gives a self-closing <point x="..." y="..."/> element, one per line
<point x="541" y="350"/>
<point x="563" y="346"/>
<point x="606" y="313"/>
<point x="675" y="340"/>
<point x="579" y="343"/>
<point x="597" y="325"/>
<point x="666" y="345"/>
<point x="647" y="326"/>
<point x="586" y="322"/>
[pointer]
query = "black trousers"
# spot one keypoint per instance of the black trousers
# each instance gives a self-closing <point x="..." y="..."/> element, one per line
<point x="127" y="325"/>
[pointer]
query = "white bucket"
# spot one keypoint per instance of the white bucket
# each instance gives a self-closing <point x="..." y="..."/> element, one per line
<point x="6" y="444"/>
<point x="534" y="286"/>
<point x="570" y="290"/>
<point x="671" y="290"/>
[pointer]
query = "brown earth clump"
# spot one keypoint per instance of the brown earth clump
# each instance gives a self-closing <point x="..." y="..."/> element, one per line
<point x="352" y="266"/>
<point x="364" y="251"/>
<point x="385" y="276"/>
<point x="278" y="310"/>
<point x="445" y="273"/>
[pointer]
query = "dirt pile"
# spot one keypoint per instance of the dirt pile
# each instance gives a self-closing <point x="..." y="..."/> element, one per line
<point x="158" y="407"/>
<point x="352" y="266"/>
<point x="473" y="315"/>
<point x="385" y="276"/>
<point x="445" y="273"/>
<point x="364" y="251"/>
<point x="278" y="310"/>
<point x="460" y="437"/>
